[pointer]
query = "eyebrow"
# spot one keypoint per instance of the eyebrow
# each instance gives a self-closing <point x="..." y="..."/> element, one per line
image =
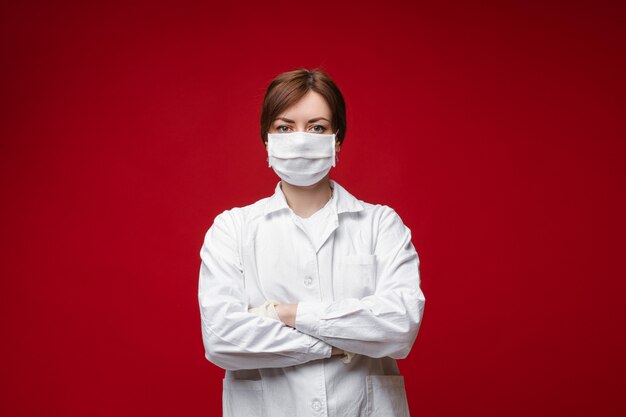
<point x="310" y="121"/>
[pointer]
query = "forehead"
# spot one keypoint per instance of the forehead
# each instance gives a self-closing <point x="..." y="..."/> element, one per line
<point x="312" y="104"/>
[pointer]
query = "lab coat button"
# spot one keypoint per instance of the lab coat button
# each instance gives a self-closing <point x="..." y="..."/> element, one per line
<point x="308" y="281"/>
<point x="317" y="405"/>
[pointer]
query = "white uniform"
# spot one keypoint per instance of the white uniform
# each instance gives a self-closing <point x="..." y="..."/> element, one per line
<point x="358" y="289"/>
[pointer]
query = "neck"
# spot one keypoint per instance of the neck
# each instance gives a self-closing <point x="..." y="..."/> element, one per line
<point x="306" y="200"/>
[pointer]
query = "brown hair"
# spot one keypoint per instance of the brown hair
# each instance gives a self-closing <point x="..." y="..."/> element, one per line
<point x="289" y="87"/>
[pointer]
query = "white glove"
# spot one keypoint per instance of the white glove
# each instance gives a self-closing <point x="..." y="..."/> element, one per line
<point x="347" y="357"/>
<point x="268" y="309"/>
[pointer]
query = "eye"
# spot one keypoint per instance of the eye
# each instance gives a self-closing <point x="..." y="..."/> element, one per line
<point x="281" y="130"/>
<point x="319" y="128"/>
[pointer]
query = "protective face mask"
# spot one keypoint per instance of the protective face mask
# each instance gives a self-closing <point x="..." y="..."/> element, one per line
<point x="301" y="158"/>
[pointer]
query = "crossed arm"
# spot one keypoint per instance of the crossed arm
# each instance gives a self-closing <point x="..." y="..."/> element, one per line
<point x="286" y="313"/>
<point x="383" y="324"/>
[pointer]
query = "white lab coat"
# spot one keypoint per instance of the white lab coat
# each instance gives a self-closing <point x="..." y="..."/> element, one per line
<point x="359" y="290"/>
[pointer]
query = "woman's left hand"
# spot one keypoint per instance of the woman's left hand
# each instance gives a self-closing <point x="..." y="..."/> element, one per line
<point x="287" y="314"/>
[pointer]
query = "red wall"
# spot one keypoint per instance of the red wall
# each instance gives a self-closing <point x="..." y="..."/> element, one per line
<point x="495" y="129"/>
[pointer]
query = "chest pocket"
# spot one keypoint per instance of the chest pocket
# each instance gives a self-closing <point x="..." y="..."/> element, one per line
<point x="356" y="276"/>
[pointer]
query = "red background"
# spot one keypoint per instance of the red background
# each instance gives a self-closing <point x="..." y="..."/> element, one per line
<point x="495" y="129"/>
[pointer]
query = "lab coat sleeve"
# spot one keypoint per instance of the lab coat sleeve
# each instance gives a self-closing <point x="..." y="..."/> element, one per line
<point x="234" y="338"/>
<point x="385" y="323"/>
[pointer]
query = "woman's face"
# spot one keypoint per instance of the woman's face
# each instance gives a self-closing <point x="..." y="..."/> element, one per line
<point x="311" y="114"/>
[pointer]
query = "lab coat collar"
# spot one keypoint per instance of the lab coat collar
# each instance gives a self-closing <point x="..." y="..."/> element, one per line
<point x="342" y="200"/>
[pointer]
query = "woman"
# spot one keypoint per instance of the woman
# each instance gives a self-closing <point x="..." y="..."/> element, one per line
<point x="309" y="296"/>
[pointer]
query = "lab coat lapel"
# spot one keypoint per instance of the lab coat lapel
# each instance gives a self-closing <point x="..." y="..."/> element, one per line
<point x="342" y="202"/>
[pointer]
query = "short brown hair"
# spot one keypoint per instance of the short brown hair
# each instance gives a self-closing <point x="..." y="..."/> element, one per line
<point x="289" y="87"/>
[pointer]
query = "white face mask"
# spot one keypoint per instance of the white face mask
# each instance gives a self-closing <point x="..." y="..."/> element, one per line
<point x="301" y="158"/>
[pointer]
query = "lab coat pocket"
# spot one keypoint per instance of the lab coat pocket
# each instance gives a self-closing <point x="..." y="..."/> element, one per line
<point x="386" y="396"/>
<point x="243" y="397"/>
<point x="357" y="275"/>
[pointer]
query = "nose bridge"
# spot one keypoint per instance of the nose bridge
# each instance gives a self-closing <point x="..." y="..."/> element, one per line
<point x="301" y="126"/>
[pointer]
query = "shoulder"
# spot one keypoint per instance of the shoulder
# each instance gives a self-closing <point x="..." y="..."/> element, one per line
<point x="376" y="222"/>
<point x="234" y="219"/>
<point x="376" y="209"/>
<point x="358" y="208"/>
<point x="379" y="213"/>
<point x="383" y="220"/>
<point x="388" y="231"/>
